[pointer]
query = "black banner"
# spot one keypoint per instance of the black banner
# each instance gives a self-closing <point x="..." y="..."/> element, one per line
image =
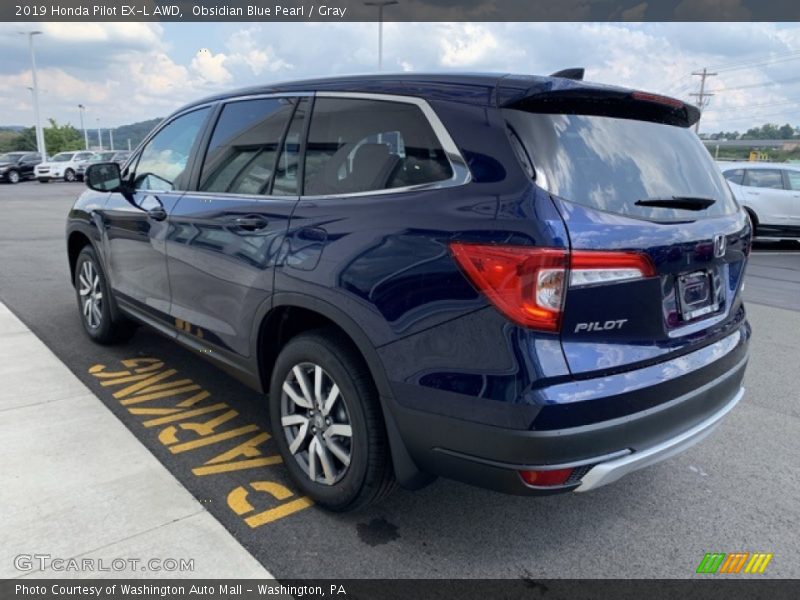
<point x="399" y="10"/>
<point x="709" y="588"/>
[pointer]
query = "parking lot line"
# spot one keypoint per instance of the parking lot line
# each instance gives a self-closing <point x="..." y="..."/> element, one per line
<point x="79" y="485"/>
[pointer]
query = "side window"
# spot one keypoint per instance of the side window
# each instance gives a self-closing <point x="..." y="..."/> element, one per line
<point x="287" y="171"/>
<point x="734" y="176"/>
<point x="242" y="152"/>
<point x="793" y="177"/>
<point x="162" y="163"/>
<point x="357" y="145"/>
<point x="764" y="178"/>
<point x="83" y="156"/>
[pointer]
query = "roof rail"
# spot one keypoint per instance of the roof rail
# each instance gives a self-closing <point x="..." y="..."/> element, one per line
<point x="571" y="73"/>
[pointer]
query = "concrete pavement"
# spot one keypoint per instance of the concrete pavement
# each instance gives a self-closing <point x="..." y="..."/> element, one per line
<point x="76" y="484"/>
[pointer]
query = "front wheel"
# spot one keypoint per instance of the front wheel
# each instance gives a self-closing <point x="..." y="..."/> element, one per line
<point x="94" y="302"/>
<point x="327" y="422"/>
<point x="69" y="175"/>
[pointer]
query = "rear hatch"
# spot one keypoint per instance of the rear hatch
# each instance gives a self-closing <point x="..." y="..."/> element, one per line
<point x="658" y="243"/>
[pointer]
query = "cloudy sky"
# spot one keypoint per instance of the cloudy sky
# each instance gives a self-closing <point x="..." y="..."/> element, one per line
<point x="135" y="71"/>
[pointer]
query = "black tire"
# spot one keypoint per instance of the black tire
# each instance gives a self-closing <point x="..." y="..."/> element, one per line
<point x="369" y="476"/>
<point x="753" y="220"/>
<point x="105" y="329"/>
<point x="69" y="175"/>
<point x="43" y="179"/>
<point x="13" y="176"/>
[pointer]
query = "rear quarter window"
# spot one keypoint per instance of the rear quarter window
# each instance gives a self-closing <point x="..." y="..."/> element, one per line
<point x="359" y="145"/>
<point x="609" y="163"/>
<point x="734" y="175"/>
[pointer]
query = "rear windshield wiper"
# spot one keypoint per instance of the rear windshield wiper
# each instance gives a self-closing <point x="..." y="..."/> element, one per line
<point x="684" y="202"/>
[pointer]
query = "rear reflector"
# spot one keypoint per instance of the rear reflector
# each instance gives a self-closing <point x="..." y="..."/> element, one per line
<point x="546" y="478"/>
<point x="528" y="284"/>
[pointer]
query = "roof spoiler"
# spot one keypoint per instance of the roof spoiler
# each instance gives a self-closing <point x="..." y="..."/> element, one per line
<point x="575" y="73"/>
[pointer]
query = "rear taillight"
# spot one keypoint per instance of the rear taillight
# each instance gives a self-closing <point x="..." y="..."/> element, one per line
<point x="589" y="267"/>
<point x="658" y="99"/>
<point x="528" y="284"/>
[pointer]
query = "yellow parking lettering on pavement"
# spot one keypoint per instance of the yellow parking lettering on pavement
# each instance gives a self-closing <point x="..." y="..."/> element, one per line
<point x="210" y="426"/>
<point x="154" y="411"/>
<point x="206" y="441"/>
<point x="199" y="397"/>
<point x="132" y="389"/>
<point x="187" y="414"/>
<point x="226" y="461"/>
<point x="151" y="364"/>
<point x="158" y="395"/>
<point x="239" y="503"/>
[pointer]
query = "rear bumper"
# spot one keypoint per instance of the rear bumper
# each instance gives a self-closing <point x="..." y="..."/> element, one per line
<point x="600" y="452"/>
<point x="611" y="470"/>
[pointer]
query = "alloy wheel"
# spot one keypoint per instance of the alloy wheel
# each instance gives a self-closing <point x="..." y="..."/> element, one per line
<point x="91" y="295"/>
<point x="13" y="177"/>
<point x="69" y="175"/>
<point x="316" y="423"/>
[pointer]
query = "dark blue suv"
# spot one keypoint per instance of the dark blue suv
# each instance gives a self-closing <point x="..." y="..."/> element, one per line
<point x="531" y="284"/>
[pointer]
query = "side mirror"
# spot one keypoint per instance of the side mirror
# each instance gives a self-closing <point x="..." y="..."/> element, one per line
<point x="103" y="177"/>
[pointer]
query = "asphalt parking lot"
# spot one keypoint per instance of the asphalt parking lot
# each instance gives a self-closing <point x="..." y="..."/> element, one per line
<point x="737" y="491"/>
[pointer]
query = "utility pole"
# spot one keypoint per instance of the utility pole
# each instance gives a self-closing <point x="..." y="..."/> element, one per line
<point x="129" y="144"/>
<point x="111" y="137"/>
<point x="702" y="94"/>
<point x="82" y="108"/>
<point x="381" y="4"/>
<point x="40" y="146"/>
<point x="99" y="135"/>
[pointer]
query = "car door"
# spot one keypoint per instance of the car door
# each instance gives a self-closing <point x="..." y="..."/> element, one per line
<point x="135" y="222"/>
<point x="792" y="182"/>
<point x="28" y="162"/>
<point x="764" y="192"/>
<point x="225" y="236"/>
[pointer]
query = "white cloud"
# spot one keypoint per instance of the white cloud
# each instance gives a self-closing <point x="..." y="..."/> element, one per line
<point x="466" y="44"/>
<point x="248" y="48"/>
<point x="210" y="67"/>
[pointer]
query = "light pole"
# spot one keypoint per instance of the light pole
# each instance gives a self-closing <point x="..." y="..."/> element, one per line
<point x="381" y="4"/>
<point x="99" y="135"/>
<point x="82" y="108"/>
<point x="40" y="146"/>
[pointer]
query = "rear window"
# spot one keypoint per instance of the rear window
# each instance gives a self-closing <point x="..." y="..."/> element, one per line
<point x="609" y="163"/>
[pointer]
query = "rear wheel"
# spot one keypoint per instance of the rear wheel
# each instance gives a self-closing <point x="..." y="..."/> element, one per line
<point x="753" y="220"/>
<point x="94" y="302"/>
<point x="327" y="422"/>
<point x="13" y="176"/>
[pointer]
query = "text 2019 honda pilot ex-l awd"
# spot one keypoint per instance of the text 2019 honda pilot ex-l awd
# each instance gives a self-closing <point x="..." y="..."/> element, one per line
<point x="531" y="284"/>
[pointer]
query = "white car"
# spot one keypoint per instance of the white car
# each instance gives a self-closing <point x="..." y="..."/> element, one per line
<point x="770" y="192"/>
<point x="63" y="165"/>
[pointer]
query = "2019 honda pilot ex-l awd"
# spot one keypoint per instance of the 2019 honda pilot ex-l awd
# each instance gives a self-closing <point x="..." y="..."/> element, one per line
<point x="531" y="284"/>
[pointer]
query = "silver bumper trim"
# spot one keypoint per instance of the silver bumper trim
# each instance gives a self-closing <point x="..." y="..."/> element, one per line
<point x="610" y="471"/>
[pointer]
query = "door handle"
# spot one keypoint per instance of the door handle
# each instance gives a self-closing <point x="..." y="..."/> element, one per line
<point x="253" y="223"/>
<point x="157" y="214"/>
<point x="754" y="193"/>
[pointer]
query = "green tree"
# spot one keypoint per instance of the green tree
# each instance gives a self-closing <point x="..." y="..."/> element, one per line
<point x="60" y="138"/>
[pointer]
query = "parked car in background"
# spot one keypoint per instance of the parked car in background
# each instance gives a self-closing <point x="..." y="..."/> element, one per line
<point x="94" y="158"/>
<point x="17" y="166"/>
<point x="770" y="193"/>
<point x="531" y="284"/>
<point x="121" y="156"/>
<point x="63" y="165"/>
